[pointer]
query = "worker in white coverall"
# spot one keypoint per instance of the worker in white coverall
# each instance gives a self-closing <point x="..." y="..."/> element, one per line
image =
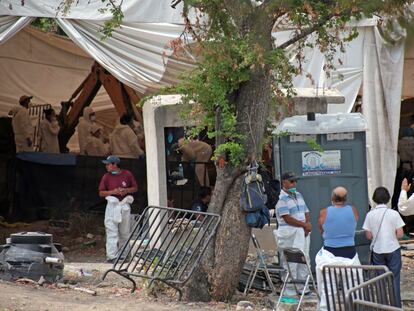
<point x="115" y="186"/>
<point x="84" y="125"/>
<point x="123" y="141"/>
<point x="139" y="131"/>
<point x="94" y="144"/>
<point x="199" y="152"/>
<point x="49" y="130"/>
<point x="294" y="225"/>
<point x="22" y="125"/>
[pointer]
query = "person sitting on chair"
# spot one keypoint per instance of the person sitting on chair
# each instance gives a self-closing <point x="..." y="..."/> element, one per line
<point x="337" y="224"/>
<point x="201" y="203"/>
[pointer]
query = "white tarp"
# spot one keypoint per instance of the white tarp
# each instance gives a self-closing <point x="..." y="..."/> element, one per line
<point x="48" y="67"/>
<point x="10" y="25"/>
<point x="138" y="53"/>
<point x="377" y="66"/>
<point x="143" y="11"/>
<point x="382" y="86"/>
<point x="347" y="77"/>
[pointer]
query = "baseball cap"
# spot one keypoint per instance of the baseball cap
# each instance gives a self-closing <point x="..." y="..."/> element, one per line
<point x="289" y="176"/>
<point x="111" y="159"/>
<point x="23" y="98"/>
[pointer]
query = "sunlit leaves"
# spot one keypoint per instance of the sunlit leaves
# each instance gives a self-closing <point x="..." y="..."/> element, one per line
<point x="232" y="48"/>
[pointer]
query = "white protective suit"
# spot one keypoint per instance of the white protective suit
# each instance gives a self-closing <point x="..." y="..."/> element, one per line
<point x="324" y="257"/>
<point x="96" y="147"/>
<point x="289" y="236"/>
<point x="117" y="227"/>
<point x="49" y="136"/>
<point x="139" y="131"/>
<point x="406" y="204"/>
<point x="84" y="125"/>
<point x="22" y="128"/>
<point x="124" y="143"/>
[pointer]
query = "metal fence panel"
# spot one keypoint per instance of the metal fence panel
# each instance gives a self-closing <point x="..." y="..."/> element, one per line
<point x="338" y="279"/>
<point x="166" y="244"/>
<point x="374" y="294"/>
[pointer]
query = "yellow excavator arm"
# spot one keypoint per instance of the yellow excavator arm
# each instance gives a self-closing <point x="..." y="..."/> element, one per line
<point x="123" y="97"/>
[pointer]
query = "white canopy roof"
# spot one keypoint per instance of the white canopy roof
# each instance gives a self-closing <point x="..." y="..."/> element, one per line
<point x="138" y="53"/>
<point x="134" y="11"/>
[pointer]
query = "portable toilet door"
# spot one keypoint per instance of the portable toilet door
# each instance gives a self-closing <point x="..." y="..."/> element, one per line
<point x="325" y="153"/>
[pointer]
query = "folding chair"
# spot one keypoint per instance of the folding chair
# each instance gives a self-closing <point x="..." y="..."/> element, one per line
<point x="260" y="265"/>
<point x="296" y="256"/>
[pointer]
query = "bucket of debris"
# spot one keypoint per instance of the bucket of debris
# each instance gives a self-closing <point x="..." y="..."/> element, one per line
<point x="31" y="255"/>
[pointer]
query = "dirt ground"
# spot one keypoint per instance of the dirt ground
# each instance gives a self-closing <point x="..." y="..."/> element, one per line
<point x="84" y="250"/>
<point x="29" y="297"/>
<point x="85" y="264"/>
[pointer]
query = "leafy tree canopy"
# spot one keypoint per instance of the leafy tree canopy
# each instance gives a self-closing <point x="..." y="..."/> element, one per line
<point x="235" y="41"/>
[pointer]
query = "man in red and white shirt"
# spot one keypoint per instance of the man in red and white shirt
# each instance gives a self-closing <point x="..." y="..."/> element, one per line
<point x="115" y="186"/>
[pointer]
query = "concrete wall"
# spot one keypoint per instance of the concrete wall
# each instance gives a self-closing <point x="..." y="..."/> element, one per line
<point x="158" y="113"/>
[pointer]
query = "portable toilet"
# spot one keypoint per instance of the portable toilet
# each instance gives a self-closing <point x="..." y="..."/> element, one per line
<point x="325" y="151"/>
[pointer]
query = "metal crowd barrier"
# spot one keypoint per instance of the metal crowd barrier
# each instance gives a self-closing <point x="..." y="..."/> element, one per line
<point x="166" y="245"/>
<point x="375" y="294"/>
<point x="339" y="279"/>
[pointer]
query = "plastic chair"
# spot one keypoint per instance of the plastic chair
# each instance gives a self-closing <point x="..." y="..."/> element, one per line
<point x="296" y="256"/>
<point x="261" y="265"/>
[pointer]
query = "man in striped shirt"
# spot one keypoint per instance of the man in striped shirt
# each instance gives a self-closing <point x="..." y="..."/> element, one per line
<point x="293" y="220"/>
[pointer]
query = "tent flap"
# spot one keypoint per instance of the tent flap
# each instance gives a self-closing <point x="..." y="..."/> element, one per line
<point x="143" y="11"/>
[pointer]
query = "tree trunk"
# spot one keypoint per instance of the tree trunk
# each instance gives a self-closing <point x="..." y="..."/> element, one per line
<point x="231" y="246"/>
<point x="219" y="274"/>
<point x="232" y="239"/>
<point x="226" y="254"/>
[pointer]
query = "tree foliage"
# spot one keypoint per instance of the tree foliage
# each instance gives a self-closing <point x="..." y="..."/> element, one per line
<point x="45" y="24"/>
<point x="234" y="41"/>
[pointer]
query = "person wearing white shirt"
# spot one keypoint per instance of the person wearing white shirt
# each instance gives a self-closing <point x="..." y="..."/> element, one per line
<point x="384" y="227"/>
<point x="405" y="204"/>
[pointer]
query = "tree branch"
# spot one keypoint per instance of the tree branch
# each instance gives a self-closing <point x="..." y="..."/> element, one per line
<point x="174" y="3"/>
<point x="310" y="30"/>
<point x="305" y="33"/>
<point x="235" y="8"/>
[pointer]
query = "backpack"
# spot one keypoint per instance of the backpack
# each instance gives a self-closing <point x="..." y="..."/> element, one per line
<point x="259" y="218"/>
<point x="272" y="188"/>
<point x="253" y="199"/>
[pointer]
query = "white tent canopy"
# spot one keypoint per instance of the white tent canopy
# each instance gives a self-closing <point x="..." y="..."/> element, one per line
<point x="134" y="11"/>
<point x="48" y="67"/>
<point x="138" y="53"/>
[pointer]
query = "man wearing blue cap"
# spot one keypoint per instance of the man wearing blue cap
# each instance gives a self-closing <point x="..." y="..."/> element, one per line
<point x="115" y="187"/>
